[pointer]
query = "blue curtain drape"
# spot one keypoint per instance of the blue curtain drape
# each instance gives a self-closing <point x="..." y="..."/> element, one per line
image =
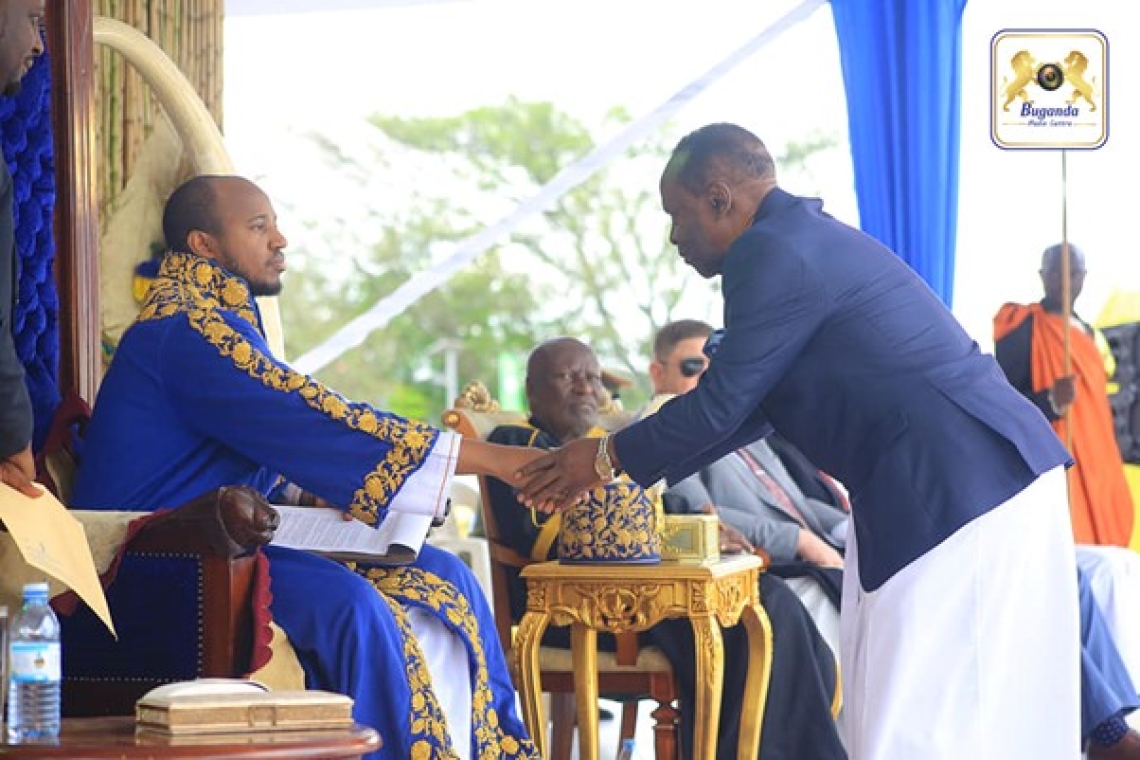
<point x="902" y="62"/>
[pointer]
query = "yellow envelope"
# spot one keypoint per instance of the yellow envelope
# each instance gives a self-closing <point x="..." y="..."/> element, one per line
<point x="52" y="540"/>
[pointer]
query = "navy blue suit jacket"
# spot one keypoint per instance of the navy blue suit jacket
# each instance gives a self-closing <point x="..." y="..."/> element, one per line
<point x="833" y="340"/>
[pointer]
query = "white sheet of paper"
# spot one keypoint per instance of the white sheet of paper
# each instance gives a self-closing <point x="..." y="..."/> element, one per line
<point x="51" y="539"/>
<point x="325" y="531"/>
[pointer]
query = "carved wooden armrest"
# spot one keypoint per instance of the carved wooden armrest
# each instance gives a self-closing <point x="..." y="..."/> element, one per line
<point x="227" y="522"/>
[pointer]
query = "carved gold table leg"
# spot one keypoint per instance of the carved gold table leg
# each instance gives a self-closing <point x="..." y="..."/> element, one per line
<point x="524" y="652"/>
<point x="710" y="681"/>
<point x="584" y="645"/>
<point x="759" y="630"/>
<point x="635" y="598"/>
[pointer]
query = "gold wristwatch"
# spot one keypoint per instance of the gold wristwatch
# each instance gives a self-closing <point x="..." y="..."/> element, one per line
<point x="603" y="465"/>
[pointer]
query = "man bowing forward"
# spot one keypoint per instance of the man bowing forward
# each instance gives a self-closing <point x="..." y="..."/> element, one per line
<point x="960" y="628"/>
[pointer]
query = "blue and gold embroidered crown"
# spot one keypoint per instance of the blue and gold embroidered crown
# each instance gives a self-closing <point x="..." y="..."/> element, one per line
<point x="616" y="523"/>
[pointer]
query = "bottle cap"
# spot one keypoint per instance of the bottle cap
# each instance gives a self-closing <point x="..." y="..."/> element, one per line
<point x="40" y="588"/>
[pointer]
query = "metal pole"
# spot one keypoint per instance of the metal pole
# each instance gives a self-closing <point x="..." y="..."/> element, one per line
<point x="1066" y="287"/>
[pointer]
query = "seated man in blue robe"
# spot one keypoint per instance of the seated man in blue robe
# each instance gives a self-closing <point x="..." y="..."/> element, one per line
<point x="564" y="386"/>
<point x="195" y="399"/>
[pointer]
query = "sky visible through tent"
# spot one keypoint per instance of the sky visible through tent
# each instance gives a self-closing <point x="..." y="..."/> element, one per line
<point x="288" y="74"/>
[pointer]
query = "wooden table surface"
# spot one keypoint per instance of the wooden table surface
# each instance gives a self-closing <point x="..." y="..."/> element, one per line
<point x="104" y="738"/>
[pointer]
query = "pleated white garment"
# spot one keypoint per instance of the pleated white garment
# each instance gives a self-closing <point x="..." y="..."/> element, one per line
<point x="972" y="652"/>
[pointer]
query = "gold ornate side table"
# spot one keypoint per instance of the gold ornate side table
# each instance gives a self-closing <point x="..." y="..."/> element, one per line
<point x="616" y="598"/>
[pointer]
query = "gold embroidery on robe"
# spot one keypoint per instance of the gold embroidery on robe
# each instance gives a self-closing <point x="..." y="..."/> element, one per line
<point x="199" y="288"/>
<point x="412" y="585"/>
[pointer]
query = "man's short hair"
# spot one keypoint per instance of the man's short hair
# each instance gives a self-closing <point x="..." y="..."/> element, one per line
<point x="724" y="146"/>
<point x="673" y="333"/>
<point x="192" y="206"/>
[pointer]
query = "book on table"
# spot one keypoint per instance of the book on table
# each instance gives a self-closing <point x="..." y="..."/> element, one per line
<point x="234" y="705"/>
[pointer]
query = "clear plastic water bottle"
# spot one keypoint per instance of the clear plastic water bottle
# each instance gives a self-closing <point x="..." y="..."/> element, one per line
<point x="3" y="657"/>
<point x="34" y="669"/>
<point x="626" y="751"/>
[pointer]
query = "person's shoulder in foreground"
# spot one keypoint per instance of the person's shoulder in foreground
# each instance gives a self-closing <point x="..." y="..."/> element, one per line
<point x="21" y="22"/>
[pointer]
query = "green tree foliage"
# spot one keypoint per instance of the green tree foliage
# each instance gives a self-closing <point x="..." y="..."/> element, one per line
<point x="599" y="258"/>
<point x="484" y="308"/>
<point x="597" y="264"/>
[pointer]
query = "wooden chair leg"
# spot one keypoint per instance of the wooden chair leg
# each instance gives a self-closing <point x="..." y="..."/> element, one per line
<point x="628" y="720"/>
<point x="665" y="743"/>
<point x="563" y="717"/>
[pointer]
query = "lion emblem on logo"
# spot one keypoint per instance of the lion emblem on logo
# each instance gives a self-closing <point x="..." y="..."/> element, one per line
<point x="1075" y="65"/>
<point x="1024" y="70"/>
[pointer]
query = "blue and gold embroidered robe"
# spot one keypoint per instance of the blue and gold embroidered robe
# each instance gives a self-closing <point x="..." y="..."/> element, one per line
<point x="194" y="400"/>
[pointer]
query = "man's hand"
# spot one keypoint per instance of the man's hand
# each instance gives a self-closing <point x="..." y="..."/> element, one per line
<point x="1063" y="394"/>
<point x="813" y="549"/>
<point x="508" y="460"/>
<point x="558" y="478"/>
<point x="19" y="470"/>
<point x="732" y="541"/>
<point x="248" y="518"/>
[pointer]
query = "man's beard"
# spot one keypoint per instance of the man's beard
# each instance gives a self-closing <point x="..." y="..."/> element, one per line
<point x="260" y="289"/>
<point x="256" y="288"/>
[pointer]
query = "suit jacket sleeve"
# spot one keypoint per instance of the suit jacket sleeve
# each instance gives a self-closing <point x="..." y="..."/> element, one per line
<point x="687" y="497"/>
<point x="774" y="303"/>
<point x="1014" y="354"/>
<point x="828" y="514"/>
<point x="777" y="538"/>
<point x="16" y="408"/>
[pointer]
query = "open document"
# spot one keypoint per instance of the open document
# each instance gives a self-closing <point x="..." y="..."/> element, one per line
<point x="396" y="541"/>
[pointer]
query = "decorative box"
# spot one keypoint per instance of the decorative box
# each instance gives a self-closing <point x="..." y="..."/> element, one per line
<point x="691" y="538"/>
<point x="243" y="712"/>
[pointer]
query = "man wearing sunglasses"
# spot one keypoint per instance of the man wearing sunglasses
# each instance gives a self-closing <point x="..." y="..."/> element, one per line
<point x="678" y="356"/>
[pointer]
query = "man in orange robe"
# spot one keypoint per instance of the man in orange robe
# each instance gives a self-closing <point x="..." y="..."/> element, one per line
<point x="1030" y="346"/>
